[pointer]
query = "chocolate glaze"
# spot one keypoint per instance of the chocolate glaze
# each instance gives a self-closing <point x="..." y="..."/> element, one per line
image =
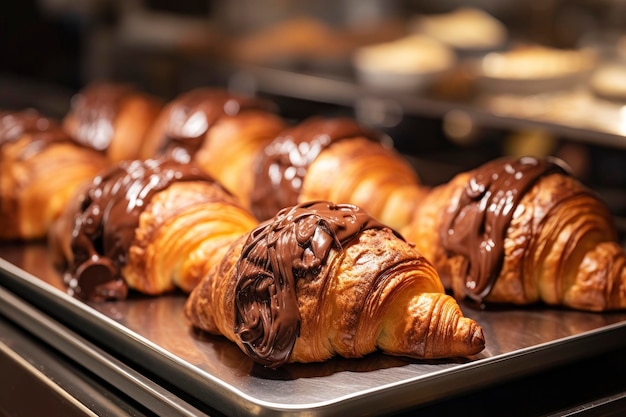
<point x="294" y="245"/>
<point x="96" y="108"/>
<point x="104" y="227"/>
<point x="281" y="169"/>
<point x="476" y="227"/>
<point x="41" y="131"/>
<point x="193" y="113"/>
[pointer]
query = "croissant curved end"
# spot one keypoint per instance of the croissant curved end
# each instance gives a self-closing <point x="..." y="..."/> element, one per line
<point x="600" y="282"/>
<point x="431" y="327"/>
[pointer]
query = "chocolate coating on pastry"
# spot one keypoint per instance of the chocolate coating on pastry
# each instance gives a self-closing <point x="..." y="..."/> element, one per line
<point x="193" y="113"/>
<point x="281" y="169"/>
<point x="476" y="227"/>
<point x="41" y="131"/>
<point x="96" y="108"/>
<point x="294" y="245"/>
<point x="104" y="227"/>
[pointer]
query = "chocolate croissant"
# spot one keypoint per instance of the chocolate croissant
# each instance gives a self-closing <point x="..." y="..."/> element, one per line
<point x="40" y="169"/>
<point x="335" y="159"/>
<point x="322" y="279"/>
<point x="522" y="231"/>
<point x="221" y="132"/>
<point x="151" y="226"/>
<point x="113" y="118"/>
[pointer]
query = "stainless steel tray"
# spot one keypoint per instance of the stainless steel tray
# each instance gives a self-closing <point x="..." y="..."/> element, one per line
<point x="152" y="334"/>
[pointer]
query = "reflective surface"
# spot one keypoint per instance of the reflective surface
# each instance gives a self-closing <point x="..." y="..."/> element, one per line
<point x="31" y="371"/>
<point x="153" y="333"/>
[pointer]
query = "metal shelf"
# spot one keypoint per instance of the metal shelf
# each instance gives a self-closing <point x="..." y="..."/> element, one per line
<point x="342" y="90"/>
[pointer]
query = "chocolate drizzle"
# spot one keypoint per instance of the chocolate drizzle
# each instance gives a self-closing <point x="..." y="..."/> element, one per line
<point x="476" y="227"/>
<point x="96" y="108"/>
<point x="104" y="227"/>
<point x="41" y="131"/>
<point x="293" y="245"/>
<point x="192" y="114"/>
<point x="281" y="169"/>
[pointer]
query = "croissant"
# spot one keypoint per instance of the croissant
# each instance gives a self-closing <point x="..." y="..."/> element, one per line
<point x="219" y="131"/>
<point x="335" y="159"/>
<point x="147" y="225"/>
<point x="40" y="168"/>
<point x="522" y="231"/>
<point x="113" y="118"/>
<point x="322" y="279"/>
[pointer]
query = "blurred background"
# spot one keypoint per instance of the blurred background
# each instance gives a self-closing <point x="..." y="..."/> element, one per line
<point x="454" y="83"/>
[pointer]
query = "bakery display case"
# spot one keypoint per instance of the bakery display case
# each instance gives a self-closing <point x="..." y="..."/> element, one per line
<point x="452" y="87"/>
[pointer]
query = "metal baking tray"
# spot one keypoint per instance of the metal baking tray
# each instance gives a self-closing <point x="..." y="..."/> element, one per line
<point x="151" y="333"/>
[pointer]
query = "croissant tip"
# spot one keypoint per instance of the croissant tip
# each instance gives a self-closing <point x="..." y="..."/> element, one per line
<point x="474" y="336"/>
<point x="478" y="338"/>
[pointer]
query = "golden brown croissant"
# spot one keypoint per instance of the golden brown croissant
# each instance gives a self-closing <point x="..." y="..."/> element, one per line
<point x="323" y="279"/>
<point x="113" y="118"/>
<point x="337" y="160"/>
<point x="40" y="169"/>
<point x="521" y="231"/>
<point x="151" y="226"/>
<point x="247" y="147"/>
<point x="221" y="132"/>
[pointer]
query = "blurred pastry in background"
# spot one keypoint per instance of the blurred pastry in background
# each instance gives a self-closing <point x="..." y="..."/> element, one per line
<point x="468" y="30"/>
<point x="410" y="63"/>
<point x="41" y="166"/>
<point x="290" y="42"/>
<point x="607" y="98"/>
<point x="609" y="82"/>
<point x="534" y="68"/>
<point x="620" y="48"/>
<point x="221" y="131"/>
<point x="112" y="118"/>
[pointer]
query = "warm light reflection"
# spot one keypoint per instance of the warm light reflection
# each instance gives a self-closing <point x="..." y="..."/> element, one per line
<point x="621" y="122"/>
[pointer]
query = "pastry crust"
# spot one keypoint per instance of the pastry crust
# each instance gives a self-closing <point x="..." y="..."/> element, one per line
<point x="150" y="226"/>
<point x="232" y="147"/>
<point x="559" y="247"/>
<point x="366" y="174"/>
<point x="183" y="232"/>
<point x="335" y="159"/>
<point x="40" y="169"/>
<point x="375" y="292"/>
<point x="221" y="132"/>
